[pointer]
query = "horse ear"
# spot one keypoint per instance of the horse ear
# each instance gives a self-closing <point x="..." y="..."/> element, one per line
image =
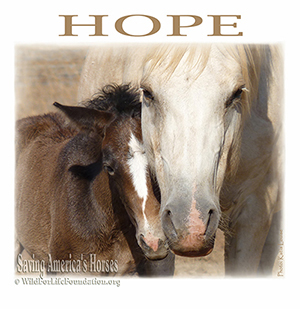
<point x="85" y="118"/>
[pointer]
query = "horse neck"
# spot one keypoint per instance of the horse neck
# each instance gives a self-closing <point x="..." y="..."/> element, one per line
<point x="83" y="186"/>
<point x="123" y="222"/>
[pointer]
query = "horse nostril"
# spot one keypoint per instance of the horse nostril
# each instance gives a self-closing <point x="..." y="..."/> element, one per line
<point x="168" y="224"/>
<point x="212" y="221"/>
<point x="143" y="242"/>
<point x="167" y="213"/>
<point x="209" y="218"/>
<point x="160" y="243"/>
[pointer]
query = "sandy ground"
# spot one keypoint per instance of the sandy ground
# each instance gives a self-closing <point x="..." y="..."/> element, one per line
<point x="47" y="74"/>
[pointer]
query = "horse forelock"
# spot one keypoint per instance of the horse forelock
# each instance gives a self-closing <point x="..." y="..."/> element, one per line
<point x="171" y="56"/>
<point x="119" y="99"/>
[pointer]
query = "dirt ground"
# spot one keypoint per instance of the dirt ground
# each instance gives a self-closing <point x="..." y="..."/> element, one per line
<point x="44" y="75"/>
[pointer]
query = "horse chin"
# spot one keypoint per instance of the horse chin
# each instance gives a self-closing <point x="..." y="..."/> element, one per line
<point x="201" y="252"/>
<point x="156" y="255"/>
<point x="202" y="248"/>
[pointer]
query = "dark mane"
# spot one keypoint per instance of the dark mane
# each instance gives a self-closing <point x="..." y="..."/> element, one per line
<point x="119" y="99"/>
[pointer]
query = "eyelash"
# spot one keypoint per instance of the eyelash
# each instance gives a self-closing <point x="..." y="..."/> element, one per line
<point x="148" y="97"/>
<point x="235" y="96"/>
<point x="148" y="94"/>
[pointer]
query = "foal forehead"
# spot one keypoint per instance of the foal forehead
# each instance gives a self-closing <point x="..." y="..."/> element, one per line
<point x="135" y="146"/>
<point x="122" y="138"/>
<point x="137" y="163"/>
<point x="118" y="133"/>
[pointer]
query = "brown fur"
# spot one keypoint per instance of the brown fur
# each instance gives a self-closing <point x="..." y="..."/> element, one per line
<point x="65" y="204"/>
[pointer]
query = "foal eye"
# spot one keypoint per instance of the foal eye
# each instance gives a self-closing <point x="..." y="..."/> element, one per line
<point x="109" y="169"/>
<point x="235" y="96"/>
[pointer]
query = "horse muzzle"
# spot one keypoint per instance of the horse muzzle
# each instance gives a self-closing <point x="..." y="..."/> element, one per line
<point x="153" y="247"/>
<point x="191" y="233"/>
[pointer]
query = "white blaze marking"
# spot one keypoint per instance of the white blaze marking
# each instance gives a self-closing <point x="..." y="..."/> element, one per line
<point x="138" y="169"/>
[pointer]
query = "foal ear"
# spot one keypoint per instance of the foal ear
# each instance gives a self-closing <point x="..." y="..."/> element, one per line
<point x="85" y="118"/>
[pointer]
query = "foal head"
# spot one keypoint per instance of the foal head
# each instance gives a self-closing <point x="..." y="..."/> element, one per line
<point x="124" y="160"/>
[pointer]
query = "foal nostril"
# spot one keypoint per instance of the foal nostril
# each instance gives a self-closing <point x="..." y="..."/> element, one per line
<point x="150" y="242"/>
<point x="143" y="243"/>
<point x="153" y="247"/>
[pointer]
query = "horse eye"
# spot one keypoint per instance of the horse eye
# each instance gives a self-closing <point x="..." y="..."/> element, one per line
<point x="238" y="93"/>
<point x="235" y="96"/>
<point x="148" y="97"/>
<point x="109" y="169"/>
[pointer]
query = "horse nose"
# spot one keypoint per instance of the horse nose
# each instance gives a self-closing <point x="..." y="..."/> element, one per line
<point x="153" y="247"/>
<point x="190" y="233"/>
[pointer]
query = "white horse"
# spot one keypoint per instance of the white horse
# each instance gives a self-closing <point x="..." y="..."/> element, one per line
<point x="212" y="128"/>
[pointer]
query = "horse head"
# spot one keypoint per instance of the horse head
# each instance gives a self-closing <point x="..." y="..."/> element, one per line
<point x="194" y="104"/>
<point x="125" y="162"/>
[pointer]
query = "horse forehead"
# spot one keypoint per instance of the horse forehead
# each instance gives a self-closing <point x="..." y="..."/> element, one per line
<point x="184" y="97"/>
<point x="193" y="100"/>
<point x="191" y="60"/>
